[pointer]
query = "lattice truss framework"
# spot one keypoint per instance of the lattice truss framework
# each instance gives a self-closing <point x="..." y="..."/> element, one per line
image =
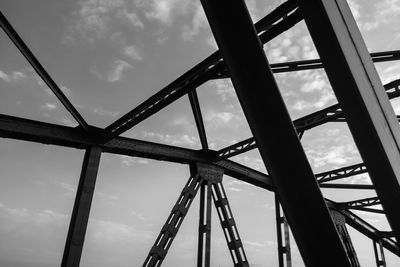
<point x="207" y="166"/>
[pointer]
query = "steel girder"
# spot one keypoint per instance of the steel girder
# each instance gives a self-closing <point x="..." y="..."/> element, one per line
<point x="270" y="123"/>
<point x="46" y="133"/>
<point x="312" y="64"/>
<point x="330" y="114"/>
<point x="360" y="93"/>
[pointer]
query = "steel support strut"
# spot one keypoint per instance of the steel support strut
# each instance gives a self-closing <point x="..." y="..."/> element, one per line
<point x="340" y="223"/>
<point x="379" y="254"/>
<point x="204" y="239"/>
<point x="80" y="213"/>
<point x="274" y="133"/>
<point x="170" y="229"/>
<point x="361" y="95"/>
<point x="228" y="224"/>
<point x="283" y="243"/>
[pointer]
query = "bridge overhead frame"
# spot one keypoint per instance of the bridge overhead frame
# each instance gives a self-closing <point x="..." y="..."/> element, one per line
<point x="348" y="58"/>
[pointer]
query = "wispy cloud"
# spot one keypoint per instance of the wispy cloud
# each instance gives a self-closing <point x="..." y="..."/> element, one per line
<point x="133" y="52"/>
<point x="117" y="70"/>
<point x="199" y="22"/>
<point x="103" y="112"/>
<point x="49" y="106"/>
<point x="96" y="19"/>
<point x="130" y="161"/>
<point x="172" y="139"/>
<point x="12" y="77"/>
<point x="165" y="10"/>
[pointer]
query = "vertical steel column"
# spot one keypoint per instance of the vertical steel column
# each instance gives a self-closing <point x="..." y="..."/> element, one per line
<point x="361" y="95"/>
<point x="282" y="248"/>
<point x="80" y="213"/>
<point x="379" y="255"/>
<point x="203" y="252"/>
<point x="274" y="133"/>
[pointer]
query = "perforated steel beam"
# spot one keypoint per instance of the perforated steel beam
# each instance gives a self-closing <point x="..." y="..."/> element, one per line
<point x="330" y="114"/>
<point x="273" y="130"/>
<point x="361" y="95"/>
<point x="81" y="210"/>
<point x="316" y="63"/>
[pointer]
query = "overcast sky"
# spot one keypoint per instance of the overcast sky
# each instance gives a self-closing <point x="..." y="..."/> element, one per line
<point x="110" y="55"/>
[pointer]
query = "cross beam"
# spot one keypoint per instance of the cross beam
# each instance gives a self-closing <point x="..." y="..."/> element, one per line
<point x="329" y="114"/>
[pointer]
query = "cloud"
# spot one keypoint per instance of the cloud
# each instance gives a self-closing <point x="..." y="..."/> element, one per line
<point x="165" y="10"/>
<point x="199" y="22"/>
<point x="103" y="112"/>
<point x="133" y="52"/>
<point x="130" y="161"/>
<point x="330" y="148"/>
<point x="12" y="77"/>
<point x="176" y="139"/>
<point x="49" y="106"/>
<point x="117" y="70"/>
<point x="96" y="19"/>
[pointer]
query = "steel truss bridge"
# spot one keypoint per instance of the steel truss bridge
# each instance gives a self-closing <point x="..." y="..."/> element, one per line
<point x="317" y="223"/>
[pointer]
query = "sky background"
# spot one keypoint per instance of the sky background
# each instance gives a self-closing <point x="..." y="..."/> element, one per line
<point x="110" y="55"/>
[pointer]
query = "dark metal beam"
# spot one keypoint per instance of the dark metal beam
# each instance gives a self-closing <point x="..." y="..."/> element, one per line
<point x="23" y="48"/>
<point x="357" y="86"/>
<point x="316" y="63"/>
<point x="194" y="103"/>
<point x="80" y="213"/>
<point x="366" y="202"/>
<point x="329" y="114"/>
<point x="46" y="133"/>
<point x="270" y="26"/>
<point x="347" y="186"/>
<point x="366" y="229"/>
<point x="341" y="173"/>
<point x="369" y="210"/>
<point x="273" y="130"/>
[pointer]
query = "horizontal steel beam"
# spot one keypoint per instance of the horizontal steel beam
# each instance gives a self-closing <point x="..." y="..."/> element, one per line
<point x="269" y="27"/>
<point x="329" y="114"/>
<point x="360" y="203"/>
<point x="315" y="64"/>
<point x="341" y="173"/>
<point x="347" y="186"/>
<point x="26" y="52"/>
<point x="46" y="133"/>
